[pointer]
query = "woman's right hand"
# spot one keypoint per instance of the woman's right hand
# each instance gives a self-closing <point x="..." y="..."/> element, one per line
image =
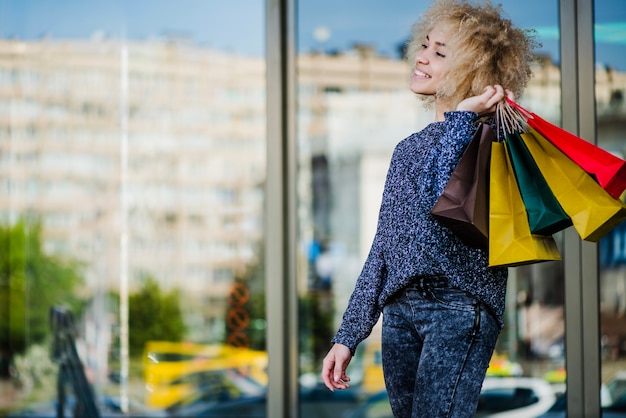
<point x="334" y="367"/>
<point x="486" y="102"/>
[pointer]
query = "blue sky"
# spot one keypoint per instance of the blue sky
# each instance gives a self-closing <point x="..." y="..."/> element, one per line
<point x="238" y="25"/>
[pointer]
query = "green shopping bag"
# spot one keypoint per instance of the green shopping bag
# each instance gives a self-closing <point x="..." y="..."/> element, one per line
<point x="545" y="214"/>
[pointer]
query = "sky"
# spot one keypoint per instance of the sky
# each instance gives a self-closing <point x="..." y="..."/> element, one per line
<point x="238" y="25"/>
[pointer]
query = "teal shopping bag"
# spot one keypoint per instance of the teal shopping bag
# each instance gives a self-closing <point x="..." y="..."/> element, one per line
<point x="545" y="214"/>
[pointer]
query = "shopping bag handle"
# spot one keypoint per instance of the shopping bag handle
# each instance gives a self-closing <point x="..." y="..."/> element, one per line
<point x="509" y="119"/>
<point x="527" y="114"/>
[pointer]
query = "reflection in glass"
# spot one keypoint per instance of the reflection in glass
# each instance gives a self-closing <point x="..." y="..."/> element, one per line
<point x="610" y="88"/>
<point x="132" y="161"/>
<point x="353" y="107"/>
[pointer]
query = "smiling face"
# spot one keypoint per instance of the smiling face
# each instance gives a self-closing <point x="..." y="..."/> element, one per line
<point x="457" y="48"/>
<point x="430" y="64"/>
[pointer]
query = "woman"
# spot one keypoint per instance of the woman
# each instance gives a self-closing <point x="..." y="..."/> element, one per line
<point x="442" y="305"/>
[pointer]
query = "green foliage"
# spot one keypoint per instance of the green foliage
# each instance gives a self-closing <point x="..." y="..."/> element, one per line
<point x="154" y="315"/>
<point x="257" y="329"/>
<point x="31" y="282"/>
<point x="253" y="279"/>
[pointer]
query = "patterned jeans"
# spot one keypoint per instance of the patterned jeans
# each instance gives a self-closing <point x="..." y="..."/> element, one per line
<point x="437" y="342"/>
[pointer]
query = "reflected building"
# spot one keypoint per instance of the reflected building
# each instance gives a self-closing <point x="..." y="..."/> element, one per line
<point x="163" y="142"/>
<point x="159" y="141"/>
<point x="160" y="145"/>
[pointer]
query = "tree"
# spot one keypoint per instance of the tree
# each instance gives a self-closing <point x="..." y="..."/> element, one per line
<point x="154" y="315"/>
<point x="31" y="282"/>
<point x="253" y="279"/>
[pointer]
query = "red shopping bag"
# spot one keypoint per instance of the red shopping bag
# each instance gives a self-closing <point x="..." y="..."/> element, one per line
<point x="607" y="169"/>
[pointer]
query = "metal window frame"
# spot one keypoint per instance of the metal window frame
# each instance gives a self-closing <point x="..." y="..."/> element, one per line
<point x="280" y="209"/>
<point x="582" y="319"/>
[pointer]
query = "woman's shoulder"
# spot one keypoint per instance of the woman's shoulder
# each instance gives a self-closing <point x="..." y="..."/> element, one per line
<point x="423" y="137"/>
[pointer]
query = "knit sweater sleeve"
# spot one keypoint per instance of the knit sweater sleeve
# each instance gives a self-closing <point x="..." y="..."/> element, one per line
<point x="363" y="311"/>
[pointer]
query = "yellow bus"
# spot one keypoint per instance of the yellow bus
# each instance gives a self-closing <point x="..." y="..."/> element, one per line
<point x="165" y="362"/>
<point x="373" y="380"/>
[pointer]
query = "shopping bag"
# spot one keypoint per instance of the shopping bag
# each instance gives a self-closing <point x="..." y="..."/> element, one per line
<point x="545" y="215"/>
<point x="607" y="169"/>
<point x="594" y="212"/>
<point x="463" y="205"/>
<point x="510" y="241"/>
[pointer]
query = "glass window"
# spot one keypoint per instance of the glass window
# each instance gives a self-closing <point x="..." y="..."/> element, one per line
<point x="610" y="88"/>
<point x="132" y="144"/>
<point x="354" y="107"/>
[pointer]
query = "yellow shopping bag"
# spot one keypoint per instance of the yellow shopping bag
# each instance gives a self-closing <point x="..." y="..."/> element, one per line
<point x="510" y="241"/>
<point x="594" y="212"/>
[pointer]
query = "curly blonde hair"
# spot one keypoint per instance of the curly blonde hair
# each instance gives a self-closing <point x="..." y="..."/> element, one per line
<point x="483" y="48"/>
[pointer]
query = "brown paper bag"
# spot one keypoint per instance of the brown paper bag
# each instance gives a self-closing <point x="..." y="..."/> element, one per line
<point x="464" y="205"/>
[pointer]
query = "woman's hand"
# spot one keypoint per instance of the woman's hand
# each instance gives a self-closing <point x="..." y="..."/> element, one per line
<point x="334" y="367"/>
<point x="486" y="102"/>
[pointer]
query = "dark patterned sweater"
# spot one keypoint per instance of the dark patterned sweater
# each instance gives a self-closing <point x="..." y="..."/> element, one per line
<point x="409" y="241"/>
